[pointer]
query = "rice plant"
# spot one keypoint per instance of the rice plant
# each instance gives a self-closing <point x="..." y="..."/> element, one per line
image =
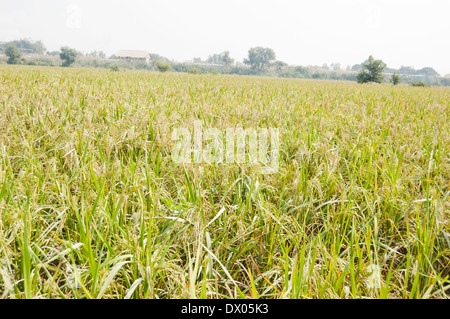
<point x="92" y="205"/>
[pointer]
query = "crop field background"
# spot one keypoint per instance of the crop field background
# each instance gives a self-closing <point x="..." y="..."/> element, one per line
<point x="92" y="205"/>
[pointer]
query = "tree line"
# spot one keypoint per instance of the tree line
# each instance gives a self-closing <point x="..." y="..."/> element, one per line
<point x="259" y="61"/>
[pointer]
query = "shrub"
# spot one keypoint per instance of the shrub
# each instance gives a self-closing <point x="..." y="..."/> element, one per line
<point x="163" y="66"/>
<point x="419" y="83"/>
<point x="193" y="71"/>
<point x="114" y="67"/>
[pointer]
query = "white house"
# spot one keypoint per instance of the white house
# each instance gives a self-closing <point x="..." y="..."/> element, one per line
<point x="134" y="55"/>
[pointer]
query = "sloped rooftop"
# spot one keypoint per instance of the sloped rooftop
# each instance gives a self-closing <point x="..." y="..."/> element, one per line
<point x="132" y="54"/>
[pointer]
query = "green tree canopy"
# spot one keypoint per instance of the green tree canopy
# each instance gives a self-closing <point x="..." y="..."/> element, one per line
<point x="259" y="58"/>
<point x="13" y="53"/>
<point x="372" y="71"/>
<point x="68" y="55"/>
<point x="396" y="78"/>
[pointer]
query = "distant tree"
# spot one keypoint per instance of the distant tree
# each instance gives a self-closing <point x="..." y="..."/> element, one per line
<point x="407" y="70"/>
<point x="53" y="53"/>
<point x="163" y="66"/>
<point x="372" y="71"/>
<point x="357" y="67"/>
<point x="68" y="55"/>
<point x="279" y="65"/>
<point x="221" y="58"/>
<point x="29" y="47"/>
<point x="227" y="61"/>
<point x="13" y="54"/>
<point x="97" y="54"/>
<point x="396" y="78"/>
<point x="259" y="58"/>
<point x="336" y="66"/>
<point x="214" y="59"/>
<point x="302" y="70"/>
<point x="157" y="57"/>
<point x="39" y="47"/>
<point x="428" y="72"/>
<point x="318" y="75"/>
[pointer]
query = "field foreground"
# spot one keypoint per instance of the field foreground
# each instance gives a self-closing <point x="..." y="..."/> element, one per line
<point x="93" y="206"/>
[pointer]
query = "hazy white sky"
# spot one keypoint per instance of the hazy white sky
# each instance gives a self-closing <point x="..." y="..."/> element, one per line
<point x="400" y="32"/>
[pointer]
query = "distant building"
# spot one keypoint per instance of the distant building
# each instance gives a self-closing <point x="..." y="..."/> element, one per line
<point x="134" y="55"/>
